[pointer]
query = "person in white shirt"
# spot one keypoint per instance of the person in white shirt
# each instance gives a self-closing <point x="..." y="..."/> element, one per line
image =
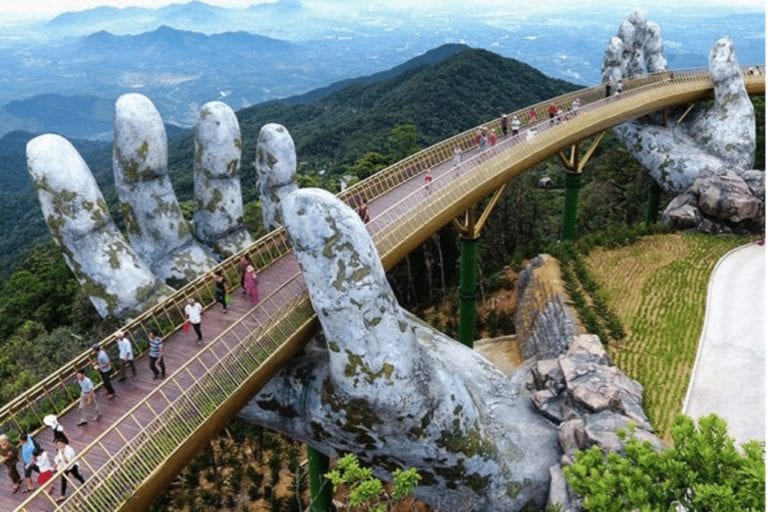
<point x="65" y="454"/>
<point x="125" y="354"/>
<point x="194" y="312"/>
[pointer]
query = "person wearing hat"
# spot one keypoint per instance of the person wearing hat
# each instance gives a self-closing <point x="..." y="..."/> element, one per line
<point x="104" y="366"/>
<point x="52" y="422"/>
<point x="125" y="353"/>
<point x="9" y="456"/>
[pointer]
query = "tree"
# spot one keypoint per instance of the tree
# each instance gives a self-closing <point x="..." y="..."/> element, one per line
<point x="366" y="492"/>
<point x="403" y="141"/>
<point x="703" y="471"/>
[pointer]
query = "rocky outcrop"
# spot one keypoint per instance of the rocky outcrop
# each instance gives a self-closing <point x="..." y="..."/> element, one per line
<point x="590" y="400"/>
<point x="722" y="202"/>
<point x="544" y="321"/>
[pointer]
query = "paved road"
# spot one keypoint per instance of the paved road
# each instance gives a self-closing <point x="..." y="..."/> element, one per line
<point x="729" y="374"/>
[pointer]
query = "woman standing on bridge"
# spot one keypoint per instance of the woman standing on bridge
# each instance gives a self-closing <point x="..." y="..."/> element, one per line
<point x="64" y="456"/>
<point x="252" y="284"/>
<point x="221" y="289"/>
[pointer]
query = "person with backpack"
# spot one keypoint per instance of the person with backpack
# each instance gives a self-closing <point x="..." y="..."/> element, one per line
<point x="29" y="449"/>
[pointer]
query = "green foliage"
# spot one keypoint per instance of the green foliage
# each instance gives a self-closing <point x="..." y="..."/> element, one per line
<point x="365" y="492"/>
<point x="703" y="471"/>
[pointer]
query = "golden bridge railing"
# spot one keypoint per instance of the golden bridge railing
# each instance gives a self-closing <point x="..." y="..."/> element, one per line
<point x="107" y="482"/>
<point x="183" y="402"/>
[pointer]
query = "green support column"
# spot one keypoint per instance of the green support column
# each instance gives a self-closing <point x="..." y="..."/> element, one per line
<point x="571" y="206"/>
<point x="467" y="290"/>
<point x="320" y="493"/>
<point x="654" y="200"/>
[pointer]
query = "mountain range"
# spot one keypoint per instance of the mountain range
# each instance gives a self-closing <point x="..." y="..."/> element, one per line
<point x="443" y="92"/>
<point x="183" y="55"/>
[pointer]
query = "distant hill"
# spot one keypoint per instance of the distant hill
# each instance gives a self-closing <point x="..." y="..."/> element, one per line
<point x="77" y="116"/>
<point x="440" y="99"/>
<point x="431" y="57"/>
<point x="167" y="45"/>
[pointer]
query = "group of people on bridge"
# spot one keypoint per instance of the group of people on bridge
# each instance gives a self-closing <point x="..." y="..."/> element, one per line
<point x="35" y="459"/>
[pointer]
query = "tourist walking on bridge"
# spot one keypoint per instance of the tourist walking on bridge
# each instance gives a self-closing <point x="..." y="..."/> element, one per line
<point x="504" y="124"/>
<point x="457" y="152"/>
<point x="9" y="457"/>
<point x="27" y="446"/>
<point x="516" y="125"/>
<point x="103" y="365"/>
<point x="156" y="354"/>
<point x="552" y="111"/>
<point x="65" y="454"/>
<point x="533" y="117"/>
<point x="194" y="312"/>
<point x="221" y="289"/>
<point x="87" y="398"/>
<point x="244" y="262"/>
<point x="125" y="353"/>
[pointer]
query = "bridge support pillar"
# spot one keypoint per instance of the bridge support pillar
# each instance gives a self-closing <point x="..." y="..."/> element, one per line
<point x="469" y="233"/>
<point x="574" y="164"/>
<point x="318" y="487"/>
<point x="654" y="200"/>
<point x="571" y="206"/>
<point x="467" y="290"/>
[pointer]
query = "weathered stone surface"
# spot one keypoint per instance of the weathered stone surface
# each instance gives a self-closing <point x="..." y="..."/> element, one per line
<point x="115" y="278"/>
<point x="394" y="390"/>
<point x="155" y="226"/>
<point x="275" y="168"/>
<point x="601" y="429"/>
<point x="572" y="436"/>
<point x="544" y="322"/>
<point x="219" y="214"/>
<point x="547" y="374"/>
<point x="560" y="494"/>
<point x="549" y="404"/>
<point x="683" y="212"/>
<point x="726" y="196"/>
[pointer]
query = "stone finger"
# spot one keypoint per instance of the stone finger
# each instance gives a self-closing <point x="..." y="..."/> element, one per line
<point x="117" y="281"/>
<point x="276" y="170"/>
<point x="156" y="228"/>
<point x="219" y="214"/>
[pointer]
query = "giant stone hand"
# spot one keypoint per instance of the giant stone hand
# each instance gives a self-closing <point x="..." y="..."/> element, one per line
<point x="708" y="157"/>
<point x="120" y="277"/>
<point x="394" y="390"/>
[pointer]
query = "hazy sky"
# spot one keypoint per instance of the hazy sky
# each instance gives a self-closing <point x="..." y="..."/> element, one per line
<point x="49" y="8"/>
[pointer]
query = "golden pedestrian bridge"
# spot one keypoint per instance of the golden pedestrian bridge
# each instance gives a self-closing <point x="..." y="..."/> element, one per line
<point x="152" y="429"/>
